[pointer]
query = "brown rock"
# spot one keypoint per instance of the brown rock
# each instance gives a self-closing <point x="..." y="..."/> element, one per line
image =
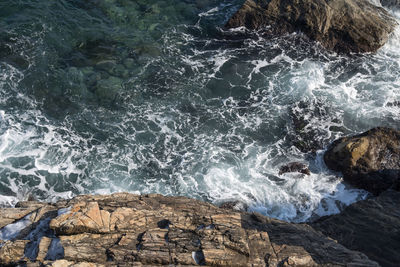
<point x="83" y="217"/>
<point x="65" y="263"/>
<point x="370" y="161"/>
<point x="12" y="252"/>
<point x="43" y="248"/>
<point x="11" y="215"/>
<point x="340" y="25"/>
<point x="88" y="247"/>
<point x="130" y="230"/>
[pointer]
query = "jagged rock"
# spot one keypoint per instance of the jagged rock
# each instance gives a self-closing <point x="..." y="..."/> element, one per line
<point x="370" y="226"/>
<point x="370" y="161"/>
<point x="43" y="248"/>
<point x="294" y="167"/>
<point x="12" y="252"/>
<point x="10" y="215"/>
<point x="234" y="205"/>
<point x="83" y="217"/>
<point x="340" y="25"/>
<point x="152" y="230"/>
<point x="309" y="119"/>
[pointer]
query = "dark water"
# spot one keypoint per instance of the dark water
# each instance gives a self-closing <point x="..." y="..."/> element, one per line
<point x="157" y="97"/>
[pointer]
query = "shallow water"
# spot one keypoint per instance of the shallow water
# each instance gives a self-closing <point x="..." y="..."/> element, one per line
<point x="156" y="97"/>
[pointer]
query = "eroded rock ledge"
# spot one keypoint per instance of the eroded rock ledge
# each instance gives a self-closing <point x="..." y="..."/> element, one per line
<point x="131" y="230"/>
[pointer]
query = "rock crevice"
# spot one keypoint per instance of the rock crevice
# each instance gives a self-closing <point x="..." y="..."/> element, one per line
<point x="130" y="230"/>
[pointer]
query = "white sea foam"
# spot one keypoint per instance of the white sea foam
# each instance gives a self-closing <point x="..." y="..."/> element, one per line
<point x="12" y="230"/>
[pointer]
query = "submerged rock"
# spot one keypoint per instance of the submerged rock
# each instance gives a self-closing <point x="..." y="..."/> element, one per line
<point x="340" y="25"/>
<point x="370" y="226"/>
<point x="107" y="89"/>
<point x="294" y="167"/>
<point x="370" y="161"/>
<point x="152" y="230"/>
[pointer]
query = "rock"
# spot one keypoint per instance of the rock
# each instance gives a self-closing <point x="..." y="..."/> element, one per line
<point x="129" y="63"/>
<point x="65" y="263"/>
<point x="370" y="161"/>
<point x="131" y="230"/>
<point x="106" y="65"/>
<point x="294" y="167"/>
<point x="309" y="119"/>
<point x="11" y="215"/>
<point x="43" y="248"/>
<point x="234" y="205"/>
<point x="12" y="252"/>
<point x="108" y="89"/>
<point x="370" y="226"/>
<point x="339" y="25"/>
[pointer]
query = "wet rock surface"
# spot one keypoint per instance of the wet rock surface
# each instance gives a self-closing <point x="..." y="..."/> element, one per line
<point x="370" y="161"/>
<point x="310" y="130"/>
<point x="294" y="167"/>
<point x="370" y="226"/>
<point x="340" y="25"/>
<point x="151" y="230"/>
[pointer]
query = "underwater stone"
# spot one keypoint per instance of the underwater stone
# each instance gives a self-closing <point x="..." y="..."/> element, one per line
<point x="106" y="65"/>
<point x="120" y="71"/>
<point x="129" y="63"/>
<point x="107" y="89"/>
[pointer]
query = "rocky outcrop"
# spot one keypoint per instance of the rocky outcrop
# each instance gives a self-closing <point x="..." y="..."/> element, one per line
<point x="340" y="25"/>
<point x="294" y="167"/>
<point x="370" y="226"/>
<point x="151" y="230"/>
<point x="370" y="161"/>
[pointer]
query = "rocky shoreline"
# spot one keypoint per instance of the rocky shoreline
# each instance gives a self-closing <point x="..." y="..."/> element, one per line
<point x="151" y="230"/>
<point x="124" y="229"/>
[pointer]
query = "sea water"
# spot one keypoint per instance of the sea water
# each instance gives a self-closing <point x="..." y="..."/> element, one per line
<point x="157" y="96"/>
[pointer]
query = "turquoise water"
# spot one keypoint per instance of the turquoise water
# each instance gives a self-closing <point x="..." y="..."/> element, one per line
<point x="157" y="97"/>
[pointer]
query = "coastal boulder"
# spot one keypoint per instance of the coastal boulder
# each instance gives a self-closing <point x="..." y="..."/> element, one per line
<point x="370" y="161"/>
<point x="339" y="25"/>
